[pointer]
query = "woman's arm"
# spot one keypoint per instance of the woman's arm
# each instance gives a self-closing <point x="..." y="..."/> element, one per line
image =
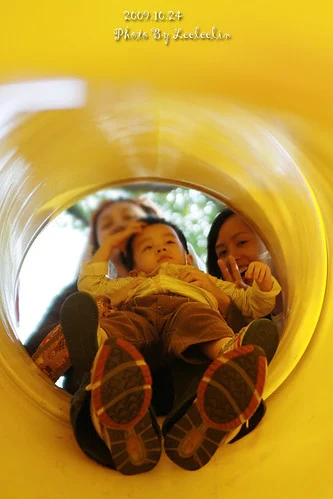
<point x="93" y="275"/>
<point x="117" y="240"/>
<point x="257" y="272"/>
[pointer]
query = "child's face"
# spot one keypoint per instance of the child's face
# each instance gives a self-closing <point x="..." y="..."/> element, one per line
<point x="157" y="244"/>
<point x="237" y="239"/>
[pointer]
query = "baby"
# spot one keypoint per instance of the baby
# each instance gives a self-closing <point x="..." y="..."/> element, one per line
<point x="161" y="273"/>
<point x="167" y="309"/>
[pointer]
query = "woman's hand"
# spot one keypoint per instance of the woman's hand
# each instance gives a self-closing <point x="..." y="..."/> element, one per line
<point x="119" y="239"/>
<point x="230" y="271"/>
<point x="116" y="241"/>
<point x="205" y="281"/>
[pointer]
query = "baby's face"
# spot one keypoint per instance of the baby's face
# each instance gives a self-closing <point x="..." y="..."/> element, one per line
<point x="157" y="244"/>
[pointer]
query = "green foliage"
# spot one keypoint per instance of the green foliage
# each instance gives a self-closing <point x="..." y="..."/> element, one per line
<point x="192" y="210"/>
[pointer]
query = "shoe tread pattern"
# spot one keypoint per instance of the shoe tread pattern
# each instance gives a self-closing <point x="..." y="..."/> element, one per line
<point x="236" y="381"/>
<point x="121" y="395"/>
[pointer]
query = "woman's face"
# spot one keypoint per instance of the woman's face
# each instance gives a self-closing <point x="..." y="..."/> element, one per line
<point x="116" y="217"/>
<point x="237" y="239"/>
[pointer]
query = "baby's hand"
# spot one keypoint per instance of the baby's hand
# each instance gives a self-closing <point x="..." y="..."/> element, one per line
<point x="126" y="292"/>
<point x="196" y="277"/>
<point x="261" y="273"/>
<point x="205" y="281"/>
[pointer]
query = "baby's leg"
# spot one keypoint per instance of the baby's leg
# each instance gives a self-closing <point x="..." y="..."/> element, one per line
<point x="261" y="332"/>
<point x="132" y="323"/>
<point x="196" y="332"/>
<point x="213" y="349"/>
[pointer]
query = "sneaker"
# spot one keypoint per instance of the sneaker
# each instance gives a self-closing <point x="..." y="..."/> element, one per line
<point x="251" y="424"/>
<point x="261" y="332"/>
<point x="120" y="399"/>
<point x="79" y="323"/>
<point x="228" y="394"/>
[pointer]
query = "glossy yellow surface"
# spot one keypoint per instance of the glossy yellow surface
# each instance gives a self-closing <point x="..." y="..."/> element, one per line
<point x="248" y="119"/>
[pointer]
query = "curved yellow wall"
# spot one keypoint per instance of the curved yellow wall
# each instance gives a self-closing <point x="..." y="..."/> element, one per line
<point x="248" y="119"/>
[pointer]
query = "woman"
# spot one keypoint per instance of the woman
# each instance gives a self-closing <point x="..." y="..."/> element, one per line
<point x="111" y="216"/>
<point x="231" y="246"/>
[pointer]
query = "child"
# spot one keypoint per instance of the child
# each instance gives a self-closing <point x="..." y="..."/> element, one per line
<point x="158" y="260"/>
<point x="162" y="316"/>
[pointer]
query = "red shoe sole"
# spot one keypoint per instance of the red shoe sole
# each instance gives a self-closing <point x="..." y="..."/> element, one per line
<point x="121" y="385"/>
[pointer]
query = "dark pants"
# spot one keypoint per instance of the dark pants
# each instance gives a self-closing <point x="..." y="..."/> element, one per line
<point x="163" y="327"/>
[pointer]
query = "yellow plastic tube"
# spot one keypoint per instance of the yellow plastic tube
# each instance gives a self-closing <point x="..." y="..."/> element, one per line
<point x="247" y="119"/>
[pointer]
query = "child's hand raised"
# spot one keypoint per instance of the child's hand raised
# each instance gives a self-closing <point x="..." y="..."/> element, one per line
<point x="261" y="273"/>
